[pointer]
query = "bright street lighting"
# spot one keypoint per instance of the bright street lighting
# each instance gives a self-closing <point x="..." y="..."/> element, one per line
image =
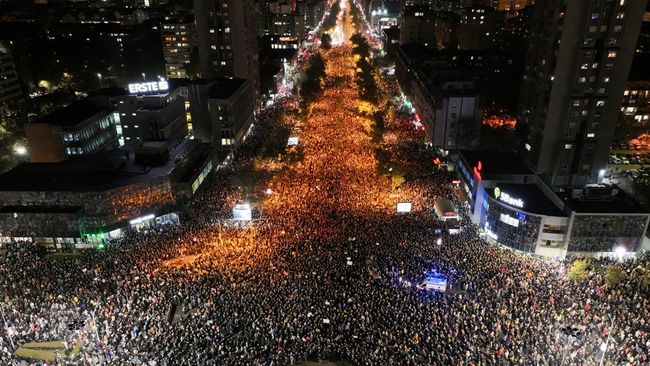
<point x="620" y="250"/>
<point x="20" y="149"/>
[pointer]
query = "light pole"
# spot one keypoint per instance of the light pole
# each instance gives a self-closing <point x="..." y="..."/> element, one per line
<point x="609" y="337"/>
<point x="144" y="76"/>
<point x="99" y="76"/>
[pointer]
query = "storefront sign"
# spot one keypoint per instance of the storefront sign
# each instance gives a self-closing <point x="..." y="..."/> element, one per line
<point x="506" y="198"/>
<point x="149" y="87"/>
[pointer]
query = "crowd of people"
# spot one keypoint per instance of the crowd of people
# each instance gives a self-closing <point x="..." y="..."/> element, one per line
<point x="329" y="272"/>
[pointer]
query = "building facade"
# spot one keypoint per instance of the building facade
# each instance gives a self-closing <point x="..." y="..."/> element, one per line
<point x="177" y="49"/>
<point x="227" y="40"/>
<point x="83" y="203"/>
<point x="222" y="111"/>
<point x="517" y="209"/>
<point x="579" y="57"/>
<point x="10" y="90"/>
<point x="81" y="128"/>
<point x="476" y="28"/>
<point x="417" y="26"/>
<point x="152" y="117"/>
<point x="447" y="103"/>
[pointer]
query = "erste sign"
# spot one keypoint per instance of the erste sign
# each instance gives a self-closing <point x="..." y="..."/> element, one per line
<point x="149" y="87"/>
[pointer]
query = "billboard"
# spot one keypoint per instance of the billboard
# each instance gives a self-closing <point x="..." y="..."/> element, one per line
<point x="242" y="212"/>
<point x="404" y="207"/>
<point x="149" y="87"/>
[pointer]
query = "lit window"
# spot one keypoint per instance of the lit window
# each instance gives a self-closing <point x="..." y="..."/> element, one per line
<point x="600" y="103"/>
<point x="591" y="135"/>
<point x="611" y="54"/>
<point x="567" y="146"/>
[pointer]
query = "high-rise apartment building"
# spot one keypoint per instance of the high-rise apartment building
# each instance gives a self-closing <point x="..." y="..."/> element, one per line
<point x="578" y="61"/>
<point x="177" y="48"/>
<point x="417" y="25"/>
<point x="10" y="90"/>
<point x="227" y="39"/>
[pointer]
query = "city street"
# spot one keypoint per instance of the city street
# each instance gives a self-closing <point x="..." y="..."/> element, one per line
<point x="329" y="270"/>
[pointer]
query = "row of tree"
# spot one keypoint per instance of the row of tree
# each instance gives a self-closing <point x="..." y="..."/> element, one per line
<point x="312" y="80"/>
<point x="612" y="275"/>
<point x="368" y="88"/>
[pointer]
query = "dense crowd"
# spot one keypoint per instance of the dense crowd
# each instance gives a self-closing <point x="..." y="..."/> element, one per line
<point x="329" y="272"/>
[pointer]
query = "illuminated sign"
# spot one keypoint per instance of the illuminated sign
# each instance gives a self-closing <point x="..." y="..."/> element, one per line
<point x="404" y="207"/>
<point x="242" y="212"/>
<point x="142" y="219"/>
<point x="149" y="87"/>
<point x="504" y="197"/>
<point x="477" y="170"/>
<point x="293" y="141"/>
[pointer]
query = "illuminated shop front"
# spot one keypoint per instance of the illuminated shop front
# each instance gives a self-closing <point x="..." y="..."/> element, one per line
<point x="517" y="209"/>
<point x="533" y="224"/>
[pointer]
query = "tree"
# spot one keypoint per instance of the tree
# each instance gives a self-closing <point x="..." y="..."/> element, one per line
<point x="361" y="46"/>
<point x="325" y="41"/>
<point x="614" y="276"/>
<point x="578" y="270"/>
<point x="311" y="86"/>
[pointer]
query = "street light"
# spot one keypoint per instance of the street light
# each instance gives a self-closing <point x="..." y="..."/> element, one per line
<point x="99" y="75"/>
<point x="144" y="76"/>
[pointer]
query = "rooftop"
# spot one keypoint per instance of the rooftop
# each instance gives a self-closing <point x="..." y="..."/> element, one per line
<point x="92" y="173"/>
<point x="495" y="163"/>
<point x="620" y="203"/>
<point x="73" y="114"/>
<point x="223" y="88"/>
<point x="535" y="201"/>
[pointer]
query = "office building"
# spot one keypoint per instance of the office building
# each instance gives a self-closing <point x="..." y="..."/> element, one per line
<point x="580" y="52"/>
<point x="417" y="26"/>
<point x="177" y="41"/>
<point x="10" y="90"/>
<point x="222" y="111"/>
<point x="82" y="128"/>
<point x="446" y="98"/>
<point x="516" y="208"/>
<point x="85" y="202"/>
<point x="152" y="116"/>
<point x="477" y="27"/>
<point x="227" y="40"/>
